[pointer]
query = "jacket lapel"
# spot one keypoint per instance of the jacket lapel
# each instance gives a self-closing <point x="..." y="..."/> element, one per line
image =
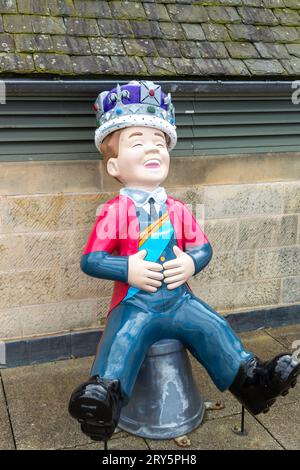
<point x="176" y="220"/>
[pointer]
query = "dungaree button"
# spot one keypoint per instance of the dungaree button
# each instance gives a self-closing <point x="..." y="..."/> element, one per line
<point x="162" y="258"/>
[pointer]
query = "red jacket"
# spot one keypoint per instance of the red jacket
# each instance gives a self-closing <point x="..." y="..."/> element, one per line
<point x="116" y="231"/>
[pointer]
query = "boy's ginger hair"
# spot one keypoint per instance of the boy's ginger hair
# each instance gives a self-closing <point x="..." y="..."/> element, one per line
<point x="110" y="146"/>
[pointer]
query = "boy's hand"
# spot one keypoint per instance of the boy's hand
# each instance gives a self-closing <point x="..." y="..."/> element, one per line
<point x="178" y="270"/>
<point x="143" y="274"/>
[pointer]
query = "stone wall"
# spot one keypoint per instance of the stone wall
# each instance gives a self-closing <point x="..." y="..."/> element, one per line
<point x="47" y="211"/>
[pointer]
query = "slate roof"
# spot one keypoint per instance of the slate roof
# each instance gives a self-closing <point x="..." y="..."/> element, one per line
<point x="162" y="38"/>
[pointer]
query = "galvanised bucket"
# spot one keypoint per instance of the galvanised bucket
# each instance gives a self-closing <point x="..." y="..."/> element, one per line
<point x="165" y="402"/>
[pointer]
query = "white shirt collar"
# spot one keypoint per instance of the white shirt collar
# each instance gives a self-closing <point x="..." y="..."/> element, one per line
<point x="140" y="197"/>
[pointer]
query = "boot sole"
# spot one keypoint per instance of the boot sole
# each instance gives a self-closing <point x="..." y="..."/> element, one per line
<point x="96" y="432"/>
<point x="262" y="409"/>
<point x="88" y="410"/>
<point x="95" y="428"/>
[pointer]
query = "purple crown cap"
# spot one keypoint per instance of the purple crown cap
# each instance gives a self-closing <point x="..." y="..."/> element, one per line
<point x="137" y="95"/>
<point x="138" y="92"/>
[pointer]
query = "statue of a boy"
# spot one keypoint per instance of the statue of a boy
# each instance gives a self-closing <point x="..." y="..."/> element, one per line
<point x="150" y="244"/>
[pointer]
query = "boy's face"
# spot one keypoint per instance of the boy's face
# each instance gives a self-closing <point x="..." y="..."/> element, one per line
<point x="143" y="159"/>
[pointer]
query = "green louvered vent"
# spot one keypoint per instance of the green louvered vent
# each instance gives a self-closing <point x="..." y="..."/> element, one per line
<point x="56" y="128"/>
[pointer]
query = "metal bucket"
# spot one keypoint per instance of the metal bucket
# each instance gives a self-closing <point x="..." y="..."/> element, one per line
<point x="165" y="402"/>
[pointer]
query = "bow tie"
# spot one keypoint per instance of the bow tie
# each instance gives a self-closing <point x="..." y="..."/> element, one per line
<point x="141" y="197"/>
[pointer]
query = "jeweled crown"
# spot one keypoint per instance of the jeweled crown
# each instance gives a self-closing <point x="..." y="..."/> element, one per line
<point x="135" y="104"/>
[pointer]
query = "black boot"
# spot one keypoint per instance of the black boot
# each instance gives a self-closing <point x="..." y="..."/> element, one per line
<point x="97" y="404"/>
<point x="258" y="384"/>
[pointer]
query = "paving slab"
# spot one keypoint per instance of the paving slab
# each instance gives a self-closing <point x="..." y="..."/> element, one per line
<point x="6" y="438"/>
<point x="284" y="425"/>
<point x="210" y="393"/>
<point x="38" y="397"/>
<point x="286" y="336"/>
<point x="123" y="443"/>
<point x="217" y="434"/>
<point x="261" y="344"/>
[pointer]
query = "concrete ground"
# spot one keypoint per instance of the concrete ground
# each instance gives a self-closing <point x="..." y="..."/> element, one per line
<point x="33" y="408"/>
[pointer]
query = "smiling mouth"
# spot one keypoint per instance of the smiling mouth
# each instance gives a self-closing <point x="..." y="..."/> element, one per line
<point x="153" y="163"/>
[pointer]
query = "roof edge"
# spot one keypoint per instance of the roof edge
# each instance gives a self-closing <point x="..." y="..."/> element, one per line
<point x="34" y="87"/>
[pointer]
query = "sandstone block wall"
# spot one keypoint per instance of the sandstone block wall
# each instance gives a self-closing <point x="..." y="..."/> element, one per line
<point x="47" y="212"/>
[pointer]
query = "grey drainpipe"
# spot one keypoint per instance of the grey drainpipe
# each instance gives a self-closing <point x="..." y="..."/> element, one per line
<point x="37" y="87"/>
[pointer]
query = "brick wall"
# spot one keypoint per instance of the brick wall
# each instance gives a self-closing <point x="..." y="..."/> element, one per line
<point x="47" y="212"/>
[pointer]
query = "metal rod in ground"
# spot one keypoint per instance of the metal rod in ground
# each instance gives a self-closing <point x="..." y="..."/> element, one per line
<point x="243" y="420"/>
<point x="239" y="429"/>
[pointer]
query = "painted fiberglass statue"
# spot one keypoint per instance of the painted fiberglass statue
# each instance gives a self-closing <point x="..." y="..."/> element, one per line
<point x="150" y="244"/>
